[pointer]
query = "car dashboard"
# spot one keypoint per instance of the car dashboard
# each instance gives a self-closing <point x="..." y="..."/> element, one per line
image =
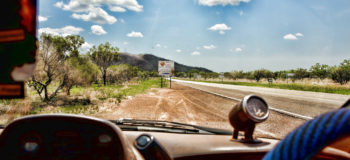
<point x="61" y="136"/>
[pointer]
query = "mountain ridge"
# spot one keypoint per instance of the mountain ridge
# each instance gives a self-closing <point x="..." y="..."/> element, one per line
<point x="149" y="62"/>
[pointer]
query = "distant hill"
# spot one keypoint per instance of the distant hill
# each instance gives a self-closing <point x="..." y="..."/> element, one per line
<point x="149" y="62"/>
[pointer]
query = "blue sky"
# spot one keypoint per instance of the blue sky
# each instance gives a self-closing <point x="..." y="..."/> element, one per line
<point x="221" y="35"/>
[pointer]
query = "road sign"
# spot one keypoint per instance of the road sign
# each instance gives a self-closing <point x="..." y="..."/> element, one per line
<point x="17" y="46"/>
<point x="290" y="74"/>
<point x="166" y="68"/>
<point x="221" y="76"/>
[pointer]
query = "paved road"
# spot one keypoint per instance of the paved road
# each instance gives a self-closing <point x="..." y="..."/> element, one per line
<point x="299" y="102"/>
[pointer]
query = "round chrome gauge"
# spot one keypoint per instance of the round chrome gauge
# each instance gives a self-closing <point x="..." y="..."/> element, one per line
<point x="256" y="108"/>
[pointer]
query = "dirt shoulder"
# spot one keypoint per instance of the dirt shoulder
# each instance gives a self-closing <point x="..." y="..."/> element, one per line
<point x="186" y="105"/>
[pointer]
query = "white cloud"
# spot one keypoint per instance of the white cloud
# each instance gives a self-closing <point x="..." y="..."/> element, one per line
<point x="238" y="49"/>
<point x="290" y="37"/>
<point x="64" y="31"/>
<point x="221" y="2"/>
<point x="75" y="6"/>
<point x="85" y="47"/>
<point x="135" y="34"/>
<point x="178" y="50"/>
<point x="220" y="27"/>
<point x="92" y="9"/>
<point x="96" y="15"/>
<point x="125" y="43"/>
<point x="293" y="36"/>
<point x="299" y="35"/>
<point x="158" y="45"/>
<point x="196" y="53"/>
<point x="86" y="5"/>
<point x="42" y="18"/>
<point x="209" y="47"/>
<point x="59" y="4"/>
<point x="98" y="30"/>
<point x="117" y="9"/>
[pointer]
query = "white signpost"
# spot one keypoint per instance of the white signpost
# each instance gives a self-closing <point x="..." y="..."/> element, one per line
<point x="221" y="77"/>
<point x="290" y="74"/>
<point x="166" y="69"/>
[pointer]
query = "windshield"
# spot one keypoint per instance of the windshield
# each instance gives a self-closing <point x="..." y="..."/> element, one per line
<point x="188" y="61"/>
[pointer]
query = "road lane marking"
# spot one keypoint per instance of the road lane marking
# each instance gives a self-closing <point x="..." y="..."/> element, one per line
<point x="328" y="98"/>
<point x="270" y="107"/>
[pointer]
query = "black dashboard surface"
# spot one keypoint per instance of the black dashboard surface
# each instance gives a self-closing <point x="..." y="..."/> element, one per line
<point x="60" y="137"/>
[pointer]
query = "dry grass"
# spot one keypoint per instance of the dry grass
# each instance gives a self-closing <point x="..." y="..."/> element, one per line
<point x="306" y="81"/>
<point x="313" y="85"/>
<point x="83" y="100"/>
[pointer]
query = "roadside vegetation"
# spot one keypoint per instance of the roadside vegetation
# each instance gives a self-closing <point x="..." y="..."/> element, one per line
<point x="290" y="86"/>
<point x="336" y="78"/>
<point x="68" y="81"/>
<point x="88" y="99"/>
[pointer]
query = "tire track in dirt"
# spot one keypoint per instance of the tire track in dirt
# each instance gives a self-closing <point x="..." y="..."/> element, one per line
<point x="187" y="105"/>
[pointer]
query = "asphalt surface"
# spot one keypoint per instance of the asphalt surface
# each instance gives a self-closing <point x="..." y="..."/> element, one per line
<point x="300" y="102"/>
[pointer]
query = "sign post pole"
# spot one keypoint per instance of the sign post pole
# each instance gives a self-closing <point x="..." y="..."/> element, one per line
<point x="166" y="69"/>
<point x="222" y="77"/>
<point x="270" y="81"/>
<point x="161" y="82"/>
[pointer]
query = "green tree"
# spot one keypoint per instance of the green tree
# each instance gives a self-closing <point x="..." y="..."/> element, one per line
<point x="80" y="71"/>
<point x="213" y="75"/>
<point x="192" y="73"/>
<point x="268" y="74"/>
<point x="301" y="73"/>
<point x="104" y="56"/>
<point x="154" y="74"/>
<point x="249" y="75"/>
<point x="341" y="74"/>
<point x="48" y="68"/>
<point x="67" y="46"/>
<point x="237" y="74"/>
<point x="204" y="75"/>
<point x="228" y="75"/>
<point x="280" y="74"/>
<point x="320" y="71"/>
<point x="258" y="74"/>
<point x="180" y="74"/>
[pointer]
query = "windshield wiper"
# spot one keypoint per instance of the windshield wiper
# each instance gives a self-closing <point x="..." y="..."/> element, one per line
<point x="166" y="126"/>
<point x="157" y="126"/>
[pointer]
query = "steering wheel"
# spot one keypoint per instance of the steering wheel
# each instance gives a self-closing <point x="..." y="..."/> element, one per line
<point x="311" y="137"/>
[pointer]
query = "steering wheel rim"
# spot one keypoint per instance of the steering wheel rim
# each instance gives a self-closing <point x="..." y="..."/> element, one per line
<point x="311" y="137"/>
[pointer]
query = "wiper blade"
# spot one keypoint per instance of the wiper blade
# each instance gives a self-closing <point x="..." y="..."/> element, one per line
<point x="149" y="125"/>
<point x="207" y="129"/>
<point x="156" y="129"/>
<point x="167" y="126"/>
